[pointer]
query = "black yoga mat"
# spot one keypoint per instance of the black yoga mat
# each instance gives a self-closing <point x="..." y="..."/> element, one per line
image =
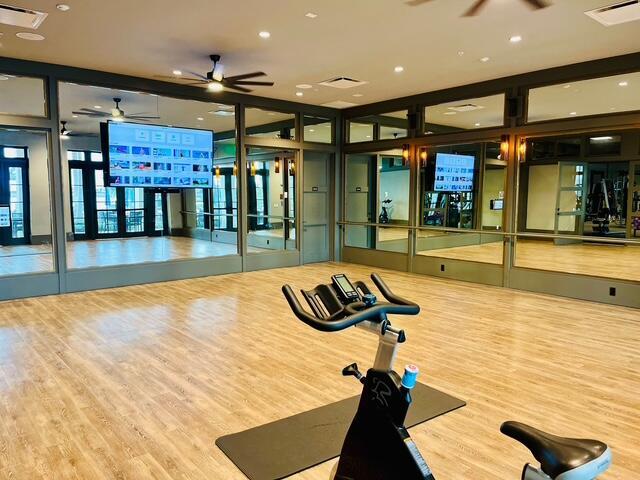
<point x="282" y="448"/>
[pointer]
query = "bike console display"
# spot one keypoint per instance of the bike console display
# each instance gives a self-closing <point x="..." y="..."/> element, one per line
<point x="344" y="288"/>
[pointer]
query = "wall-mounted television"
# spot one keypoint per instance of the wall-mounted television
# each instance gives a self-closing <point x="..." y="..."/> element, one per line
<point x="154" y="156"/>
<point x="454" y="173"/>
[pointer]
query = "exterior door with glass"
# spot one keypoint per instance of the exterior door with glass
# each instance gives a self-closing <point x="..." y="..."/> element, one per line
<point x="14" y="196"/>
<point x="633" y="215"/>
<point x="315" y="220"/>
<point x="571" y="198"/>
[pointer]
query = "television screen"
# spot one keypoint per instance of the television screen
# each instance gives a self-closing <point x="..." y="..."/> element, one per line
<point x="454" y="173"/>
<point x="158" y="157"/>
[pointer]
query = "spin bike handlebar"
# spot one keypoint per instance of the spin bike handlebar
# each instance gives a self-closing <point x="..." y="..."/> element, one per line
<point x="353" y="313"/>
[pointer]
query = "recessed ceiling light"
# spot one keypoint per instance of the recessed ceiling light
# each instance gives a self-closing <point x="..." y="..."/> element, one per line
<point x="368" y="136"/>
<point x="30" y="36"/>
<point x="449" y="113"/>
<point x="568" y="85"/>
<point x="429" y="132"/>
<point x="460" y="53"/>
<point x="75" y="116"/>
<point x="624" y="83"/>
<point x="477" y="124"/>
<point x="177" y="72"/>
<point x="299" y="94"/>
<point x="357" y="95"/>
<point x="311" y="15"/>
<point x="63" y="7"/>
<point x="200" y="119"/>
<point x="304" y="86"/>
<point x="399" y="69"/>
<point x="515" y="39"/>
<point x="311" y="130"/>
<point x="271" y="114"/>
<point x="485" y="59"/>
<point x="573" y="113"/>
<point x="264" y="34"/>
<point x="97" y="106"/>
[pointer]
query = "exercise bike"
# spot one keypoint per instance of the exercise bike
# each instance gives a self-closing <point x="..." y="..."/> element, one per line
<point x="377" y="445"/>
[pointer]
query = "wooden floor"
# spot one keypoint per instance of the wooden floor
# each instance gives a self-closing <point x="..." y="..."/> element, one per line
<point x="600" y="260"/>
<point x="138" y="382"/>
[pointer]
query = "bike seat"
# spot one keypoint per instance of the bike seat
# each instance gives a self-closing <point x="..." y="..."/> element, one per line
<point x="558" y="455"/>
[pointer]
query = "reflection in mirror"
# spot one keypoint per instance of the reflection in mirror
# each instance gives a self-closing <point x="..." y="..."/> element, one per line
<point x="167" y="192"/>
<point x="377" y="182"/>
<point x="468" y="114"/>
<point x="270" y="124"/>
<point x="317" y="129"/>
<point x="619" y="93"/>
<point x="22" y="95"/>
<point x="462" y="187"/>
<point x="25" y="208"/>
<point x="271" y="183"/>
<point x="384" y="126"/>
<point x="586" y="194"/>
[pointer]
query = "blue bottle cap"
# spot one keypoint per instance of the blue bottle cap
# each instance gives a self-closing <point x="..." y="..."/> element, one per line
<point x="410" y="377"/>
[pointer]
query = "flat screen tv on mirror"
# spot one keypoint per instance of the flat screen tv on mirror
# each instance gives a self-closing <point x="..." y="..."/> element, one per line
<point x="159" y="157"/>
<point x="454" y="173"/>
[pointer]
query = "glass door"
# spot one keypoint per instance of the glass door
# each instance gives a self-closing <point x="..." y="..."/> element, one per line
<point x="134" y="210"/>
<point x="14" y="194"/>
<point x="633" y="221"/>
<point x="106" y="210"/>
<point x="571" y="198"/>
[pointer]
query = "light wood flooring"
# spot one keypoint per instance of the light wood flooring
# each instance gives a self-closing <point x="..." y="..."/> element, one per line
<point x="138" y="382"/>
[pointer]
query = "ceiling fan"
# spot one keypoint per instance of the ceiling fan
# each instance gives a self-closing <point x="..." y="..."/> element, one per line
<point x="479" y="4"/>
<point x="64" y="132"/>
<point x="216" y="81"/>
<point x="116" y="113"/>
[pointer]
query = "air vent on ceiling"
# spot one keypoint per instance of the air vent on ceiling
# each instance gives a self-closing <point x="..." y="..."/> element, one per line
<point x="339" y="104"/>
<point x="467" y="107"/>
<point x="342" y="82"/>
<point x="617" y="13"/>
<point x="21" y="17"/>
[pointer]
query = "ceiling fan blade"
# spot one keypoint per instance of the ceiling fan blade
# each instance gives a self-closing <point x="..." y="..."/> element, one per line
<point x="166" y="77"/>
<point x="249" y="82"/>
<point x="88" y="114"/>
<point x="198" y="75"/>
<point x="537" y="4"/>
<point x="475" y="8"/>
<point x="416" y="3"/>
<point x="93" y="112"/>
<point x="141" y="117"/>
<point x="237" y="88"/>
<point x="245" y="75"/>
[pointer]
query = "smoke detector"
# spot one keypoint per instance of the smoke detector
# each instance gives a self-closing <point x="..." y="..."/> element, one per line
<point x="21" y="17"/>
<point x="617" y="13"/>
<point x="342" y="82"/>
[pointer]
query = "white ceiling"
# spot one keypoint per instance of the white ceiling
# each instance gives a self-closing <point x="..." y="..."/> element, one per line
<point x="361" y="39"/>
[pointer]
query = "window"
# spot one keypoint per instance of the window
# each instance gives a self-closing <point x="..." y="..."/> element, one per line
<point x="318" y="129"/>
<point x="159" y="216"/>
<point x="383" y="126"/>
<point x="270" y="124"/>
<point x="77" y="202"/>
<point x="200" y="210"/>
<point x="466" y="114"/>
<point x="219" y="192"/>
<point x="22" y="95"/>
<point x="597" y="96"/>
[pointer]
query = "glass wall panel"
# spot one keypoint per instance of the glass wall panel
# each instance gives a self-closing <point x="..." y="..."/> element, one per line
<point x="271" y="194"/>
<point x="318" y="129"/>
<point x="462" y="187"/>
<point x="25" y="207"/>
<point x="186" y="203"/>
<point x="587" y="199"/>
<point x="619" y="93"/>
<point x="22" y="95"/>
<point x="377" y="191"/>
<point x="382" y="126"/>
<point x="468" y="114"/>
<point x="270" y="124"/>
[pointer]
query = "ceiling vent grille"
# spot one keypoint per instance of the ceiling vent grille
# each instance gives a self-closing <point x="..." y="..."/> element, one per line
<point x="342" y="82"/>
<point x="339" y="104"/>
<point x="21" y="17"/>
<point x="617" y="13"/>
<point x="467" y="107"/>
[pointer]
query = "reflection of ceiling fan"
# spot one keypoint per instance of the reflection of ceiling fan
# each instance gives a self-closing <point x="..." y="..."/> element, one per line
<point x="64" y="132"/>
<point x="215" y="80"/>
<point x="479" y="4"/>
<point x="116" y="114"/>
